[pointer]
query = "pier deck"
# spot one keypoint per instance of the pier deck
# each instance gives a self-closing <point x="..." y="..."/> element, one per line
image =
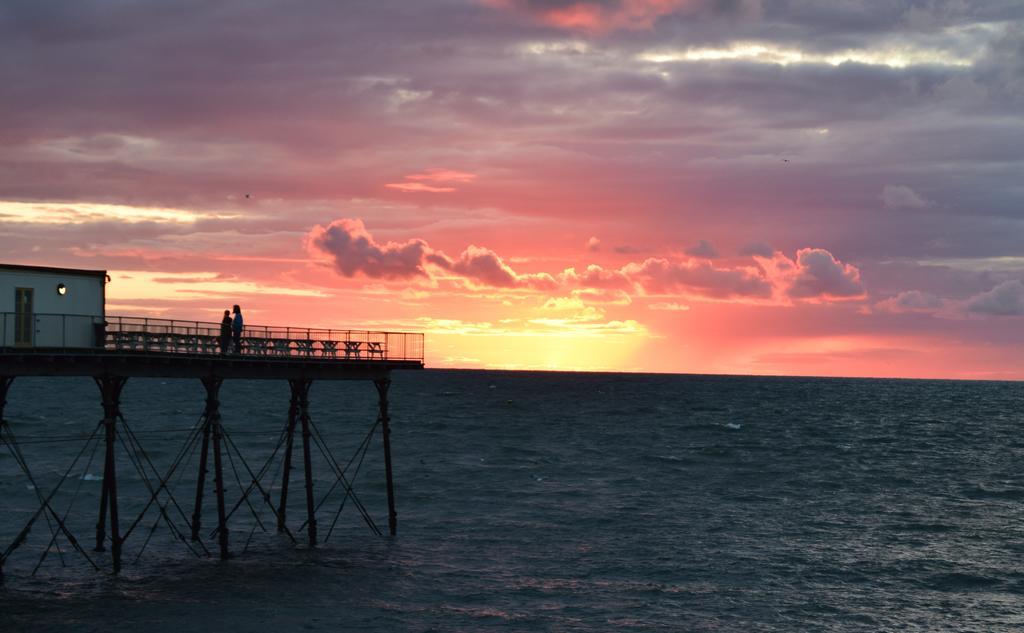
<point x="164" y="348"/>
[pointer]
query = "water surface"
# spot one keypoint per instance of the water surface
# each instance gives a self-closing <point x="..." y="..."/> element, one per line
<point x="553" y="502"/>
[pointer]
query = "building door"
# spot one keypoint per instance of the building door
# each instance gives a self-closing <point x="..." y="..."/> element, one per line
<point x="24" y="320"/>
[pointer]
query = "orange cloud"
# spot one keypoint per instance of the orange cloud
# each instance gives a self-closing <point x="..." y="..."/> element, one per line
<point x="602" y="16"/>
<point x="701" y="277"/>
<point x="483" y="265"/>
<point x="418" y="186"/>
<point x="441" y="176"/>
<point x="588" y="15"/>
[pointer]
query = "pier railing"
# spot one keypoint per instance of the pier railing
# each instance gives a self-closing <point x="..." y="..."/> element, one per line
<point x="173" y="336"/>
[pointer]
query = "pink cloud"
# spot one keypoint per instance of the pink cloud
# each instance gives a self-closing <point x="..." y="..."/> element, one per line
<point x="816" y="275"/>
<point x="484" y="266"/>
<point x="353" y="250"/>
<point x="701" y="277"/>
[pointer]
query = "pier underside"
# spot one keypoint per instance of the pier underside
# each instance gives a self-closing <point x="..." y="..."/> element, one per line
<point x="116" y="445"/>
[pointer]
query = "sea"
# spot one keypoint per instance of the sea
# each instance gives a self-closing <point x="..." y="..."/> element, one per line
<point x="529" y="501"/>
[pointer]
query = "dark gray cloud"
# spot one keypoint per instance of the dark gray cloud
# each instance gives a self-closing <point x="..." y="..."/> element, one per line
<point x="756" y="248"/>
<point x="910" y="301"/>
<point x="702" y="248"/>
<point x="193" y="104"/>
<point x="1006" y="299"/>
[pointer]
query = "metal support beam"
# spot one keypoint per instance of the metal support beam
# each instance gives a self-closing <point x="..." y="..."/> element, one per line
<point x="382" y="390"/>
<point x="212" y="394"/>
<point x="110" y="392"/>
<point x="211" y="411"/>
<point x="293" y="416"/>
<point x="302" y="387"/>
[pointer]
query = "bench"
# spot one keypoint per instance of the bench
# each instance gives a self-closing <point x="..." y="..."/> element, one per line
<point x="281" y="347"/>
<point x="134" y="341"/>
<point x="208" y="344"/>
<point x="255" y="346"/>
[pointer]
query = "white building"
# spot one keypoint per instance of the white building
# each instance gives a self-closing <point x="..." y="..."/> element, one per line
<point x="51" y="307"/>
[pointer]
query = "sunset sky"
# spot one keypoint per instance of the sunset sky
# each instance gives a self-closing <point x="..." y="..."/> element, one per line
<point x="813" y="187"/>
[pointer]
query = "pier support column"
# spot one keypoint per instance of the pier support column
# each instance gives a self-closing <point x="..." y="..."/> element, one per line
<point x="385" y="424"/>
<point x="293" y="416"/>
<point x="5" y="384"/>
<point x="110" y="392"/>
<point x="298" y="413"/>
<point x="211" y="412"/>
<point x="212" y="394"/>
<point x="302" y="388"/>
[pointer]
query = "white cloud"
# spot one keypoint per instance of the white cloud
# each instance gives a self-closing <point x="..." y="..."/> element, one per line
<point x="902" y="197"/>
<point x="1006" y="299"/>
<point x="704" y="249"/>
<point x="910" y="301"/>
<point x="669" y="307"/>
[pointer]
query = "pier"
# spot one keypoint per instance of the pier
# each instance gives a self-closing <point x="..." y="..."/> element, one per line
<point x="121" y="348"/>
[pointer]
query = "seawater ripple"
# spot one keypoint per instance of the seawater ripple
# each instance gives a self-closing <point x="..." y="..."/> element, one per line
<point x="563" y="502"/>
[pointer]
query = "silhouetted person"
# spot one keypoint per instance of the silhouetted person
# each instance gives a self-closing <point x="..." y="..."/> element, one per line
<point x="225" y="332"/>
<point x="236" y="328"/>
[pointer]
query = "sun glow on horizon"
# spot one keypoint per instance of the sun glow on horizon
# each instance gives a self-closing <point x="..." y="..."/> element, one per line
<point x="88" y="212"/>
<point x="132" y="286"/>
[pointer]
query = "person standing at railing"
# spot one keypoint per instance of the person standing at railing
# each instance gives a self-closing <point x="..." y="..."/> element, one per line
<point x="236" y="329"/>
<point x="225" y="332"/>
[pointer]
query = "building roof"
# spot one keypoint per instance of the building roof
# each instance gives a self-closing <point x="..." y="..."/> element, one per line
<point x="53" y="270"/>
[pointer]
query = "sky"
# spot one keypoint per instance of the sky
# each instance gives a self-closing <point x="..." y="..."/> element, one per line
<point x="796" y="187"/>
